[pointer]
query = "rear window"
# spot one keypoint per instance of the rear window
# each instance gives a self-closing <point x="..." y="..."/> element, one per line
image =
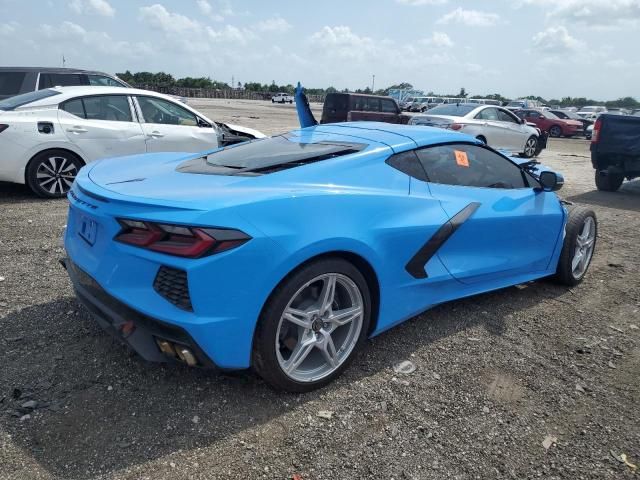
<point x="268" y="155"/>
<point x="49" y="80"/>
<point x="26" y="98"/>
<point x="337" y="101"/>
<point x="10" y="82"/>
<point x="452" y="109"/>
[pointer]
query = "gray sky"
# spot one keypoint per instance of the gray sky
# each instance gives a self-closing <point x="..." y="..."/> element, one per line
<point x="551" y="48"/>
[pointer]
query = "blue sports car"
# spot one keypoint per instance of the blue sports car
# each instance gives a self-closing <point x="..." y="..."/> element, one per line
<point x="285" y="253"/>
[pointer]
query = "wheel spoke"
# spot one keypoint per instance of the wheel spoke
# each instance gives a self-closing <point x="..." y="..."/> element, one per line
<point x="329" y="352"/>
<point x="298" y="355"/>
<point x="62" y="165"/>
<point x="328" y="293"/>
<point x="52" y="162"/>
<point x="342" y="317"/>
<point x="47" y="167"/>
<point x="297" y="317"/>
<point x="69" y="168"/>
<point x="576" y="260"/>
<point x="48" y="179"/>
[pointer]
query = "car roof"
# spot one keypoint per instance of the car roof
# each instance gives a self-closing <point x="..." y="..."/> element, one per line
<point x="398" y="137"/>
<point x="51" y="70"/>
<point x="78" y="91"/>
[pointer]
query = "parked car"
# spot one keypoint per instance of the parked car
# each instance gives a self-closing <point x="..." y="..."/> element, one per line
<point x="282" y="98"/>
<point x="523" y="103"/>
<point x="203" y="261"/>
<point x="618" y="111"/>
<point x="588" y="133"/>
<point x="346" y="107"/>
<point x="406" y="104"/>
<point x="548" y="122"/>
<point x="17" y="80"/>
<point x="615" y="150"/>
<point x="567" y="115"/>
<point x="591" y="112"/>
<point x="46" y="136"/>
<point x="494" y="126"/>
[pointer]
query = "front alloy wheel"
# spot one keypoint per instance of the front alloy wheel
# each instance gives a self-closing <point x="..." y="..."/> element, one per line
<point x="312" y="326"/>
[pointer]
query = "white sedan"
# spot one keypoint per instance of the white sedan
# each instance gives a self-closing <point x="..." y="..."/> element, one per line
<point x="46" y="136"/>
<point x="495" y="126"/>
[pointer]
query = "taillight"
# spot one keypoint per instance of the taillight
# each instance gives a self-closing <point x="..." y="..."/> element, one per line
<point x="179" y="240"/>
<point x="596" y="130"/>
<point x="456" y="126"/>
<point x="3" y="127"/>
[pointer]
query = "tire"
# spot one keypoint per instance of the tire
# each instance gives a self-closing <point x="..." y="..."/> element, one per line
<point x="608" y="182"/>
<point x="291" y="102"/>
<point x="273" y="101"/>
<point x="576" y="242"/>
<point x="555" y="131"/>
<point x="530" y="147"/>
<point x="482" y="139"/>
<point x="51" y="173"/>
<point x="301" y="290"/>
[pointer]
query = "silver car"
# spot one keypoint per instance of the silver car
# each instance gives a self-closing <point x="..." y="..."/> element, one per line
<point x="495" y="126"/>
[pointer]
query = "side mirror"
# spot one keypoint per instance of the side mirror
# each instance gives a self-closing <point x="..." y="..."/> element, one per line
<point x="550" y="181"/>
<point x="523" y="121"/>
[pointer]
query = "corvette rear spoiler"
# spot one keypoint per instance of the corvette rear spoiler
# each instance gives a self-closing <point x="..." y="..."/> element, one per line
<point x="305" y="116"/>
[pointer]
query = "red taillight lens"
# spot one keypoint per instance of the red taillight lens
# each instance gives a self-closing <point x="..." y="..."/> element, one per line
<point x="179" y="240"/>
<point x="3" y="127"/>
<point x="596" y="130"/>
<point x="456" y="126"/>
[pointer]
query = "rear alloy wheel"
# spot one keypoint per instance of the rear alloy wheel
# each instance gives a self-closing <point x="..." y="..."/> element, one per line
<point x="555" y="131"/>
<point x="312" y="326"/>
<point x="530" y="147"/>
<point x="50" y="174"/>
<point x="578" y="247"/>
<point x="608" y="182"/>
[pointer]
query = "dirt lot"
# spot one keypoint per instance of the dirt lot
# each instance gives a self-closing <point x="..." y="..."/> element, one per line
<point x="496" y="374"/>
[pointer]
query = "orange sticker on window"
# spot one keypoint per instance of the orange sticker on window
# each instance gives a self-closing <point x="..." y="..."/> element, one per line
<point x="461" y="158"/>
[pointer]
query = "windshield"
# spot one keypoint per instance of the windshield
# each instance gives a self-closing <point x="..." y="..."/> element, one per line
<point x="26" y="98"/>
<point x="591" y="109"/>
<point x="268" y="152"/>
<point x="453" y="109"/>
<point x="515" y="104"/>
<point x="549" y="114"/>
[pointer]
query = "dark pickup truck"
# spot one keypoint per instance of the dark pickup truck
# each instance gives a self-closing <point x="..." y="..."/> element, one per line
<point x="615" y="150"/>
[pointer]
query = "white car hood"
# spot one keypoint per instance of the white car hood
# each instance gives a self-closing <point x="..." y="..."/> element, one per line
<point x="248" y="131"/>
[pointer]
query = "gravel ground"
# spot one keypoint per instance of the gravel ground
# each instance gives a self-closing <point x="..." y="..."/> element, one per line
<point x="535" y="381"/>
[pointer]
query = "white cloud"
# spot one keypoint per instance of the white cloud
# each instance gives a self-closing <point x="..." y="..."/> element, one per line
<point x="185" y="34"/>
<point x="206" y="9"/>
<point x="70" y="35"/>
<point x="419" y="3"/>
<point x="9" y="28"/>
<point x="341" y="41"/>
<point x="592" y="13"/>
<point x="93" y="7"/>
<point x="556" y="40"/>
<point x="439" y="39"/>
<point x="275" y="24"/>
<point x="472" y="18"/>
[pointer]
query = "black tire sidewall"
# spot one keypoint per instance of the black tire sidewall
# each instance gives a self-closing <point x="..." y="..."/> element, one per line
<point x="575" y="222"/>
<point x="37" y="160"/>
<point x="265" y="360"/>
<point x="534" y="150"/>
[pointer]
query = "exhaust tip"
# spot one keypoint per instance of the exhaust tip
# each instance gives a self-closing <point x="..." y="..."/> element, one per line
<point x="187" y="356"/>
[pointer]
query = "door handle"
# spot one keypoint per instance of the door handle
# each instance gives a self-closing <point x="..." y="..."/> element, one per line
<point x="155" y="134"/>
<point x="77" y="129"/>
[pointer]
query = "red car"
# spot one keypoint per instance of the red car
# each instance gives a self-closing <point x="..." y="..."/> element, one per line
<point x="548" y="122"/>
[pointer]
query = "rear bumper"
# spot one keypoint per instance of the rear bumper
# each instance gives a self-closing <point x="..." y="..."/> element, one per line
<point x="133" y="328"/>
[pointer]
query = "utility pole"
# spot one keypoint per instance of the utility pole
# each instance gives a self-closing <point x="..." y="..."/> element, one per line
<point x="373" y="84"/>
<point x="63" y="60"/>
<point x="232" y="80"/>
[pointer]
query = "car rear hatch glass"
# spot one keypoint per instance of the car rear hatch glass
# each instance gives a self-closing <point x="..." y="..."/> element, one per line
<point x="26" y="98"/>
<point x="10" y="83"/>
<point x="267" y="155"/>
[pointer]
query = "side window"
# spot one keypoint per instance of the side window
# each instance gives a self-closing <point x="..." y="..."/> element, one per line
<point x="372" y="104"/>
<point x="102" y="81"/>
<point x="389" y="106"/>
<point x="506" y="117"/>
<point x="532" y="114"/>
<point x="157" y="110"/>
<point x="470" y="166"/>
<point x="488" y="114"/>
<point x="48" y="80"/>
<point x="74" y="107"/>
<point x="107" y="107"/>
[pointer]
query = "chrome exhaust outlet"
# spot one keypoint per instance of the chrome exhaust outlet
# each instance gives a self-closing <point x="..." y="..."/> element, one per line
<point x="186" y="356"/>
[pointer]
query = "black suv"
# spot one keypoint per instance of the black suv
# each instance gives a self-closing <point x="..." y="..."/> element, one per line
<point x="17" y="80"/>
